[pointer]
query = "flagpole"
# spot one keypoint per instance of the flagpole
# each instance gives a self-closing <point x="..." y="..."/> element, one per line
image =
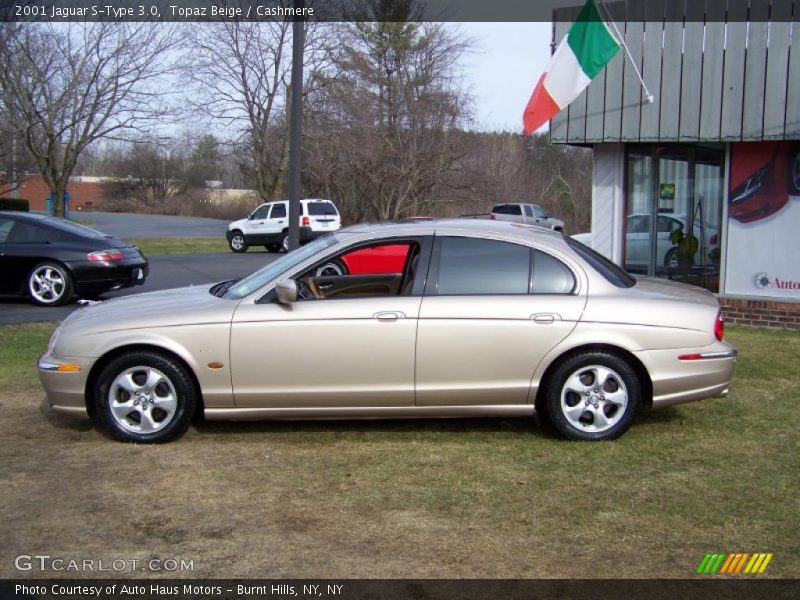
<point x="621" y="39"/>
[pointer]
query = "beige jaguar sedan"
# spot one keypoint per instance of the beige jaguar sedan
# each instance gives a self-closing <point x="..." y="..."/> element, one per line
<point x="457" y="318"/>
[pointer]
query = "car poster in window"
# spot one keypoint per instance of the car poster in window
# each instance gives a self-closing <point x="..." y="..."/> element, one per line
<point x="763" y="247"/>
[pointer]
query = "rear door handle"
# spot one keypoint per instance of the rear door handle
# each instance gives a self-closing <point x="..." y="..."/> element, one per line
<point x="388" y="316"/>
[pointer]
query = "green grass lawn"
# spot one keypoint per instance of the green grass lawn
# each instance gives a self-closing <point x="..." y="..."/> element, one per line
<point x="181" y="245"/>
<point x="440" y="498"/>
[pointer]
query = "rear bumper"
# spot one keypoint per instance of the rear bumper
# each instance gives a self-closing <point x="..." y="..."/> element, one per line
<point x="708" y="372"/>
<point x="100" y="277"/>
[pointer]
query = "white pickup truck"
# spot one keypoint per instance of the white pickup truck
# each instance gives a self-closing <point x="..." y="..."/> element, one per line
<point x="531" y="214"/>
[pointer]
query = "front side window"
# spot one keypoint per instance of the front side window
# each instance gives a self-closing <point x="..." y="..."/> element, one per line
<point x="261" y="212"/>
<point x="471" y="266"/>
<point x="539" y="212"/>
<point x="5" y="227"/>
<point x="528" y="211"/>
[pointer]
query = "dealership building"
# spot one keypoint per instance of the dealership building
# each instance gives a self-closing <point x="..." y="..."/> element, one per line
<point x="715" y="156"/>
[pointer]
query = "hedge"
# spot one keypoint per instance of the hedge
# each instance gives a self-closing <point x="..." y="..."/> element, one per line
<point x="14" y="204"/>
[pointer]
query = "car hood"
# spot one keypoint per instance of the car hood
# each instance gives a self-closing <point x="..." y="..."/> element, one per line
<point x="181" y="306"/>
<point x="237" y="224"/>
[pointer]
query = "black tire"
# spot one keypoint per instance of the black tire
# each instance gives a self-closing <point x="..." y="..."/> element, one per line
<point x="49" y="284"/>
<point x="331" y="268"/>
<point x="237" y="243"/>
<point x="794" y="174"/>
<point x="671" y="259"/>
<point x="584" y="425"/>
<point x="284" y="243"/>
<point x="168" y="425"/>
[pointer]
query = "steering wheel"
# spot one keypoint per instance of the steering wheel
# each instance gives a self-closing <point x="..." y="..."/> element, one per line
<point x="304" y="291"/>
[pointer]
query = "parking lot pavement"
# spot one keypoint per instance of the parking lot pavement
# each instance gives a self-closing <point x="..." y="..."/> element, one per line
<point x="128" y="225"/>
<point x="166" y="271"/>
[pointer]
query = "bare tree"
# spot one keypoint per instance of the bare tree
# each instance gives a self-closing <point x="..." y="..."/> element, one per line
<point x="242" y="72"/>
<point x="63" y="87"/>
<point x="391" y="117"/>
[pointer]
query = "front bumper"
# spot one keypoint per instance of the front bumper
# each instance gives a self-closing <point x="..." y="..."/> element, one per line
<point x="65" y="389"/>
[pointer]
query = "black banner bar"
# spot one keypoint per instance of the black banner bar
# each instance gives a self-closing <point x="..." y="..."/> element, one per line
<point x="353" y="10"/>
<point x="705" y="587"/>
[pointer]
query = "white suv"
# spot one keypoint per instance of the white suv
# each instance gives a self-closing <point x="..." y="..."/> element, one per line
<point x="532" y="214"/>
<point x="268" y="225"/>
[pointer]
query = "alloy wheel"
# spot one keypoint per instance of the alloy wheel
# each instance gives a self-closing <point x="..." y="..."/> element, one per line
<point x="47" y="284"/>
<point x="594" y="398"/>
<point x="142" y="400"/>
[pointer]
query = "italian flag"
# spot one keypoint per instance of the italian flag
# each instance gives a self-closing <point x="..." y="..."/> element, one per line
<point x="586" y="49"/>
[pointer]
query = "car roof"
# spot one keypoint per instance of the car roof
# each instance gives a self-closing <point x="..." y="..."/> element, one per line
<point x="444" y="226"/>
<point x="24" y="216"/>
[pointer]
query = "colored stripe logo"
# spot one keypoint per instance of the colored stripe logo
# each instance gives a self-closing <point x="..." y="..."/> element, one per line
<point x="722" y="563"/>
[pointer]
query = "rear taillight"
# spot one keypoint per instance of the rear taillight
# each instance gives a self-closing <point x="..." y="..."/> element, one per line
<point x="105" y="255"/>
<point x="719" y="327"/>
<point x="306" y="222"/>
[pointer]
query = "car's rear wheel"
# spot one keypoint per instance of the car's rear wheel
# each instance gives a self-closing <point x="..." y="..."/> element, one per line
<point x="794" y="174"/>
<point x="593" y="396"/>
<point x="237" y="243"/>
<point x="49" y="284"/>
<point x="144" y="397"/>
<point x="285" y="242"/>
<point x="331" y="268"/>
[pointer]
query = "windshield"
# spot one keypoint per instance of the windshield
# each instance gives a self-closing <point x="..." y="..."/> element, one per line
<point x="260" y="278"/>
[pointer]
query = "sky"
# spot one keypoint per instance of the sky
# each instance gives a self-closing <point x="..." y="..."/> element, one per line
<point x="503" y="70"/>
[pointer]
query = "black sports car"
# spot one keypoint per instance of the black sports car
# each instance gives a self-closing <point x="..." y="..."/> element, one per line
<point x="51" y="259"/>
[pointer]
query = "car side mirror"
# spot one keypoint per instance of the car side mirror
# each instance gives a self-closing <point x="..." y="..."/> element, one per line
<point x="286" y="291"/>
<point x="251" y="216"/>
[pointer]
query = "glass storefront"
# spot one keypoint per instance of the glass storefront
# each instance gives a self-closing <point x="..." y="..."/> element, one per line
<point x="674" y="212"/>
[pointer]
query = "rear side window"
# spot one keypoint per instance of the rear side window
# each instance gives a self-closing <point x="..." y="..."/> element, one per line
<point x="550" y="275"/>
<point x="278" y="211"/>
<point x="508" y="209"/>
<point x="321" y="209"/>
<point x="469" y="266"/>
<point x="24" y="233"/>
<point x="610" y="271"/>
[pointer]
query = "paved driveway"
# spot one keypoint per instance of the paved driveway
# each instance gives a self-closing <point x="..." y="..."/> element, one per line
<point x="166" y="271"/>
<point x="129" y="225"/>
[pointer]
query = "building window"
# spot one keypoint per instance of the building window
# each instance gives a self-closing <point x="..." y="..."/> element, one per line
<point x="674" y="212"/>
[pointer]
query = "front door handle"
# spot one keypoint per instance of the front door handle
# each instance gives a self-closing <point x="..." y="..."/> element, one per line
<point x="388" y="316"/>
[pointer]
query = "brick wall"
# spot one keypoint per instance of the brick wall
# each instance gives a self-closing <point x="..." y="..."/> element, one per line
<point x="83" y="195"/>
<point x="761" y="313"/>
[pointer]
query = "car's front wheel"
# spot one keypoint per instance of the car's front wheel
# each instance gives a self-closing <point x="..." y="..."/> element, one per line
<point x="593" y="396"/>
<point x="49" y="284"/>
<point x="144" y="397"/>
<point x="237" y="243"/>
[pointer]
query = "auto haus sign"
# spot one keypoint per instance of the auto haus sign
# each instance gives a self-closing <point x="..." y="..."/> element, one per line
<point x="765" y="281"/>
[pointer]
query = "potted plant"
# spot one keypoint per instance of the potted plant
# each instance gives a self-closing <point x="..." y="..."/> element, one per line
<point x="686" y="247"/>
